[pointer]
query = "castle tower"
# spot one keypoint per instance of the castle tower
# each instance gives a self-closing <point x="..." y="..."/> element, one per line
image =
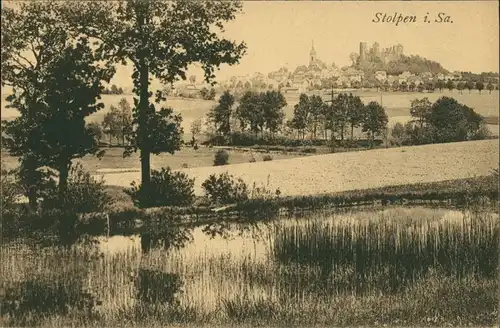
<point x="399" y="49"/>
<point x="376" y="50"/>
<point x="312" y="54"/>
<point x="362" y="51"/>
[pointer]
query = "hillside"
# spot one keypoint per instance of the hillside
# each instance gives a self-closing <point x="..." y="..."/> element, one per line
<point x="413" y="64"/>
<point x="354" y="170"/>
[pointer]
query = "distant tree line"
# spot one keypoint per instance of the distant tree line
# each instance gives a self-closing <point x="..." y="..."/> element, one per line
<point x="116" y="125"/>
<point x="424" y="86"/>
<point x="440" y="85"/>
<point x="113" y="90"/>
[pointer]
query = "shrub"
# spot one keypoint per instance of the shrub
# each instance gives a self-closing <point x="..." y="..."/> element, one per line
<point x="168" y="188"/>
<point x="10" y="210"/>
<point x="84" y="193"/>
<point x="184" y="165"/>
<point x="267" y="158"/>
<point x="252" y="159"/>
<point x="221" y="158"/>
<point x="225" y="189"/>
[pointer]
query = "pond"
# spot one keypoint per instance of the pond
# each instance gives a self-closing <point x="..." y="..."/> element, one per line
<point x="304" y="260"/>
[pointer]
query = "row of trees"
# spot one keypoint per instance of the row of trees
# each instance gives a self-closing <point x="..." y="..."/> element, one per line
<point x="431" y="86"/>
<point x="344" y="112"/>
<point x="56" y="56"/>
<point x="256" y="112"/>
<point x="117" y="124"/>
<point x="263" y="113"/>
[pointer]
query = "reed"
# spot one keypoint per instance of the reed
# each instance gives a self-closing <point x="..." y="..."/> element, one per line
<point x="399" y="266"/>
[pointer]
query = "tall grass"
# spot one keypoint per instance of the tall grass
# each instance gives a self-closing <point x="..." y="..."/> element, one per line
<point x="350" y="269"/>
<point x="386" y="254"/>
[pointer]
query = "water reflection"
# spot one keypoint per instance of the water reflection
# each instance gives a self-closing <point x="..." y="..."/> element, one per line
<point x="321" y="255"/>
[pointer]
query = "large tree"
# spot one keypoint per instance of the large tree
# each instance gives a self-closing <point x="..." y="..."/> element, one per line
<point x="375" y="120"/>
<point x="420" y="110"/>
<point x="220" y="115"/>
<point x="452" y="121"/>
<point x="354" y="112"/>
<point x="250" y="112"/>
<point x="273" y="102"/>
<point x="316" y="108"/>
<point x="54" y="84"/>
<point x="300" y="114"/>
<point x="341" y="108"/>
<point x="160" y="39"/>
<point x="74" y="85"/>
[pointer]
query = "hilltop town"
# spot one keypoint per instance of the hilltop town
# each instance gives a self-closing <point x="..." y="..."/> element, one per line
<point x="371" y="67"/>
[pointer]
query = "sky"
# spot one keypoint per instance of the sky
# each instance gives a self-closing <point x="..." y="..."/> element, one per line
<point x="280" y="33"/>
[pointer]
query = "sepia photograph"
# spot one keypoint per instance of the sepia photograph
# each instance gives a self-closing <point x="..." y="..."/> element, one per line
<point x="216" y="163"/>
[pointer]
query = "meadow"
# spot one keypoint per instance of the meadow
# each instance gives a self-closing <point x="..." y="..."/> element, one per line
<point x="310" y="175"/>
<point x="400" y="266"/>
<point x="397" y="104"/>
<point x="113" y="161"/>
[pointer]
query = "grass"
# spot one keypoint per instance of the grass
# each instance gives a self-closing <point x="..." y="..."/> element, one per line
<point x="243" y="280"/>
<point x="114" y="163"/>
<point x="325" y="174"/>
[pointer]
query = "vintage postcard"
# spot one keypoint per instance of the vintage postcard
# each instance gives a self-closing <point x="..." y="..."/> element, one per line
<point x="249" y="163"/>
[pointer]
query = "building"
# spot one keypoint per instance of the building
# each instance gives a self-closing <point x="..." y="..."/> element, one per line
<point x="375" y="53"/>
<point x="362" y="51"/>
<point x="440" y="76"/>
<point x="381" y="76"/>
<point x="414" y="79"/>
<point x="405" y="75"/>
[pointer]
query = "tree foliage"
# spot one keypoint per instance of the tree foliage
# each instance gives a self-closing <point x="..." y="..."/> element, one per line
<point x="220" y="115"/>
<point x="160" y="39"/>
<point x="56" y="84"/>
<point x="261" y="111"/>
<point x="453" y="121"/>
<point x="375" y="120"/>
<point x="420" y="110"/>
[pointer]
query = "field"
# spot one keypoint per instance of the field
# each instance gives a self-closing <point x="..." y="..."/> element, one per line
<point x="114" y="162"/>
<point x="397" y="104"/>
<point x="354" y="170"/>
<point x="398" y="266"/>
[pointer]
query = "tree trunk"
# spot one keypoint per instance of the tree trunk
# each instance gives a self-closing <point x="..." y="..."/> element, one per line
<point x="352" y="132"/>
<point x="63" y="179"/>
<point x="30" y="181"/>
<point x="143" y="120"/>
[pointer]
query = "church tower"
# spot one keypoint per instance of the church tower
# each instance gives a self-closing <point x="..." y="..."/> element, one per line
<point x="312" y="55"/>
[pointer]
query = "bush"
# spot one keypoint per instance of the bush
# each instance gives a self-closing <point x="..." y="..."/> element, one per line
<point x="10" y="209"/>
<point x="84" y="194"/>
<point x="224" y="189"/>
<point x="252" y="159"/>
<point x="168" y="188"/>
<point x="221" y="158"/>
<point x="267" y="158"/>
